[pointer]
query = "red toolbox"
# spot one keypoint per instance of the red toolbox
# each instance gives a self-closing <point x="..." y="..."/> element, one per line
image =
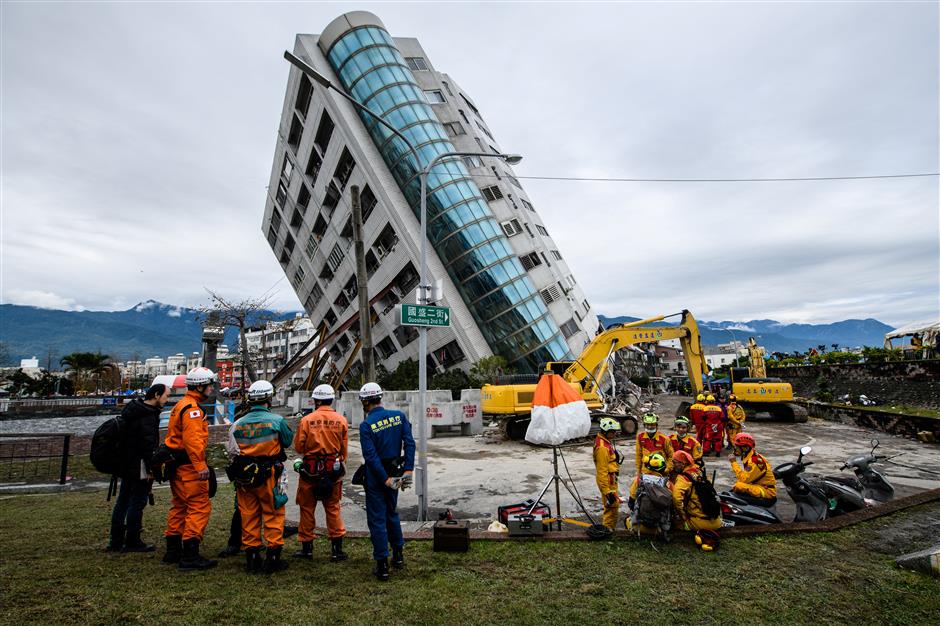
<point x="541" y="508"/>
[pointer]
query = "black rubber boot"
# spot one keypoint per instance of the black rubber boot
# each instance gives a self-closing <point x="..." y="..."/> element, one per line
<point x="229" y="550"/>
<point x="273" y="562"/>
<point x="174" y="549"/>
<point x="306" y="550"/>
<point x="254" y="564"/>
<point x="116" y="540"/>
<point x="336" y="550"/>
<point x="398" y="558"/>
<point x="192" y="560"/>
<point x="381" y="570"/>
<point x="132" y="542"/>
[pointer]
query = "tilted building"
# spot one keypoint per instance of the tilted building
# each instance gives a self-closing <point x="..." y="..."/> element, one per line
<point x="508" y="286"/>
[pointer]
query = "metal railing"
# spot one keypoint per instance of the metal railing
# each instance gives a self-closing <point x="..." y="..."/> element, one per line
<point x="55" y="402"/>
<point x="24" y="456"/>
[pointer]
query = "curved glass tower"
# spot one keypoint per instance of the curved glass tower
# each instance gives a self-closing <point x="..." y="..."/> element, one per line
<point x="461" y="228"/>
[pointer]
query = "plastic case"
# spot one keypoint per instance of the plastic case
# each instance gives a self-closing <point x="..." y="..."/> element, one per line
<point x="451" y="536"/>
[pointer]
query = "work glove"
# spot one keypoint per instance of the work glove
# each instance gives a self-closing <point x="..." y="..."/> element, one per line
<point x="611" y="498"/>
<point x="406" y="481"/>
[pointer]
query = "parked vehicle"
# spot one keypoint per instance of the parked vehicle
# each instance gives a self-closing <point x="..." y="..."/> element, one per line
<point x="872" y="484"/>
<point x="817" y="497"/>
<point x="737" y="512"/>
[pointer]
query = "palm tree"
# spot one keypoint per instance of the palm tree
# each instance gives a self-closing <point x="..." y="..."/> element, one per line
<point x="81" y="364"/>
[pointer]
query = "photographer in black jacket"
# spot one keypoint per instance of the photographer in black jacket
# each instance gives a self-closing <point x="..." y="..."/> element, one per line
<point x="140" y="438"/>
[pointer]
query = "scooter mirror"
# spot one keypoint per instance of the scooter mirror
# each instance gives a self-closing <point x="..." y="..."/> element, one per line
<point x="874" y="443"/>
<point x="805" y="450"/>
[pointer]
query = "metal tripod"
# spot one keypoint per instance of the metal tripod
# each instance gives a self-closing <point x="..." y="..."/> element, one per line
<point x="557" y="479"/>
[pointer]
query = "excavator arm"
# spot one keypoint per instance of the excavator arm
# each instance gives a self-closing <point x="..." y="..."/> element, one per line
<point x="591" y="365"/>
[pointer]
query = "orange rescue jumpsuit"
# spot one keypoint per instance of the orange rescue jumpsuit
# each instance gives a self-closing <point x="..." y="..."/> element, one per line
<point x="646" y="446"/>
<point x="608" y="472"/>
<point x="190" y="505"/>
<point x="735" y="425"/>
<point x="713" y="437"/>
<point x="756" y="477"/>
<point x="697" y="417"/>
<point x="321" y="433"/>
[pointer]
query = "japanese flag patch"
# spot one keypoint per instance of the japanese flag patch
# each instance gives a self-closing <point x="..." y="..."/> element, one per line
<point x="195" y="414"/>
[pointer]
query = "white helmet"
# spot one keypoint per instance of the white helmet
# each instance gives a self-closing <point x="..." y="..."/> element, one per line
<point x="370" y="390"/>
<point x="200" y="376"/>
<point x="323" y="392"/>
<point x="260" y="390"/>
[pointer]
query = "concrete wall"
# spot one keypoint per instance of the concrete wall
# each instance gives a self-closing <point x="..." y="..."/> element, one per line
<point x="894" y="423"/>
<point x="913" y="383"/>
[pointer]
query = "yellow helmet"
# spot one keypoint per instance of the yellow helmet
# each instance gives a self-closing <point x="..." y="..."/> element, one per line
<point x="700" y="397"/>
<point x="710" y="398"/>
<point x="656" y="462"/>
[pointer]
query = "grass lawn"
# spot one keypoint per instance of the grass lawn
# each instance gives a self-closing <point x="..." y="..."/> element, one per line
<point x="53" y="570"/>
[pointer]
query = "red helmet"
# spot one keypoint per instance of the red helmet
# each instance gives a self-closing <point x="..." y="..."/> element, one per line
<point x="683" y="457"/>
<point x="744" y="439"/>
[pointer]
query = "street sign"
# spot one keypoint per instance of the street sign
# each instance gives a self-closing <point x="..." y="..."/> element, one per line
<point x="424" y="315"/>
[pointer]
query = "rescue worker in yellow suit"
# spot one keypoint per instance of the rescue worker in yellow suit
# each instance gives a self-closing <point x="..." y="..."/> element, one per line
<point x="648" y="443"/>
<point x="755" y="482"/>
<point x="607" y="460"/>
<point x="690" y="514"/>
<point x="736" y="418"/>
<point x="683" y="441"/>
<point x="260" y="438"/>
<point x="323" y="441"/>
<point x="697" y="416"/>
<point x="187" y="436"/>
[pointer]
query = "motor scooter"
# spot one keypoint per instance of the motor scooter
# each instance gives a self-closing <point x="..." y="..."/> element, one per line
<point x="872" y="484"/>
<point x="816" y="497"/>
<point x="738" y="512"/>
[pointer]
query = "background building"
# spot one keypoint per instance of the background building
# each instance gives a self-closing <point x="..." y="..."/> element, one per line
<point x="507" y="284"/>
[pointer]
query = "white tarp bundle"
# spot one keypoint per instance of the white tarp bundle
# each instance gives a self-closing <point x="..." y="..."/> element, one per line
<point x="928" y="331"/>
<point x="559" y="414"/>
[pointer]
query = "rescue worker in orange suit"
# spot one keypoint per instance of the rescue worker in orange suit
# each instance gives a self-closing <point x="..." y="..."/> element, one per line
<point x="260" y="438"/>
<point x="713" y="439"/>
<point x="690" y="514"/>
<point x="607" y="460"/>
<point x="736" y="417"/>
<point x="685" y="442"/>
<point x="323" y="441"/>
<point x="697" y="415"/>
<point x="649" y="442"/>
<point x="187" y="436"/>
<point x="755" y="482"/>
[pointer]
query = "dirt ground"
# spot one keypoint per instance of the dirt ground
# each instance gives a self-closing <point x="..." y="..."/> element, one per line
<point x="472" y="476"/>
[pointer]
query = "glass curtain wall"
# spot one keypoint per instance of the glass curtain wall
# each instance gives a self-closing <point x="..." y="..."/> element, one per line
<point x="462" y="230"/>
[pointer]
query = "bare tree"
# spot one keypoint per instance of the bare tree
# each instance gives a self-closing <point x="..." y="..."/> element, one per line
<point x="242" y="315"/>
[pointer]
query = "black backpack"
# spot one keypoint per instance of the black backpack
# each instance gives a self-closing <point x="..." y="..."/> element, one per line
<point x="708" y="497"/>
<point x="106" y="446"/>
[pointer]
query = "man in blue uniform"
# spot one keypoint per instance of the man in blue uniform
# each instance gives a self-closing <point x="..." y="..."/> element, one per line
<point x="389" y="452"/>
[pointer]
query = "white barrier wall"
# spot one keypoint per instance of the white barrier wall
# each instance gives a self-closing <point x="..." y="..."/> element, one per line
<point x="443" y="413"/>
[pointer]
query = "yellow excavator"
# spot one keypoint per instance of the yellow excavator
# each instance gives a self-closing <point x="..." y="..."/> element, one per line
<point x="513" y="402"/>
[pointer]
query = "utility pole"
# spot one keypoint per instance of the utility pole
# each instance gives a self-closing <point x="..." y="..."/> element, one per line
<point x="362" y="283"/>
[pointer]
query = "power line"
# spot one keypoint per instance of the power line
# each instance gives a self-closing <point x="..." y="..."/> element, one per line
<point x="721" y="180"/>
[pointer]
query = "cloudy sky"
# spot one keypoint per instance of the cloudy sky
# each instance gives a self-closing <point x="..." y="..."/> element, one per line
<point x="137" y="141"/>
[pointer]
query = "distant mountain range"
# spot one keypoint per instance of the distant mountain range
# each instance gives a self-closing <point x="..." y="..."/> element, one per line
<point x="143" y="331"/>
<point x="156" y="329"/>
<point x="776" y="337"/>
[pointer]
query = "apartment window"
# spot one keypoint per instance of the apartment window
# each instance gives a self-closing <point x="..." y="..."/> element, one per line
<point x="485" y="132"/>
<point x="281" y="196"/>
<point x="405" y="335"/>
<point x="335" y="258"/>
<point x="454" y="128"/>
<point x="351" y="288"/>
<point x="324" y="132"/>
<point x="385" y="348"/>
<point x="511" y="228"/>
<point x="527" y="204"/>
<point x="372" y="263"/>
<point x="331" y="199"/>
<point x="463" y="115"/>
<point x="341" y="301"/>
<point x="313" y="164"/>
<point x="326" y="274"/>
<point x="304" y="92"/>
<point x="472" y="162"/>
<point x="434" y="96"/>
<point x="470" y="104"/>
<point x="447" y="88"/>
<point x="298" y="217"/>
<point x="385" y="242"/>
<point x="315" y="294"/>
<point x="587" y="305"/>
<point x="296" y="130"/>
<point x="569" y="328"/>
<point x="545" y="258"/>
<point x="289" y="243"/>
<point x="527" y="229"/>
<point x="285" y="258"/>
<point x="530" y="260"/>
<point x="344" y="168"/>
<point x="417" y="64"/>
<point x="556" y="254"/>
<point x="287" y="168"/>
<point x="571" y="282"/>
<point x="491" y="193"/>
<point x="514" y="181"/>
<point x="299" y="276"/>
<point x="496" y="173"/>
<point x="347" y="232"/>
<point x="450" y="354"/>
<point x="319" y="227"/>
<point x="407" y="279"/>
<point x="272" y="235"/>
<point x="368" y="202"/>
<point x="276" y="220"/>
<point x="330" y="317"/>
<point x="550" y="294"/>
<point x="312" y="245"/>
<point x="480" y="144"/>
<point x="541" y="229"/>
